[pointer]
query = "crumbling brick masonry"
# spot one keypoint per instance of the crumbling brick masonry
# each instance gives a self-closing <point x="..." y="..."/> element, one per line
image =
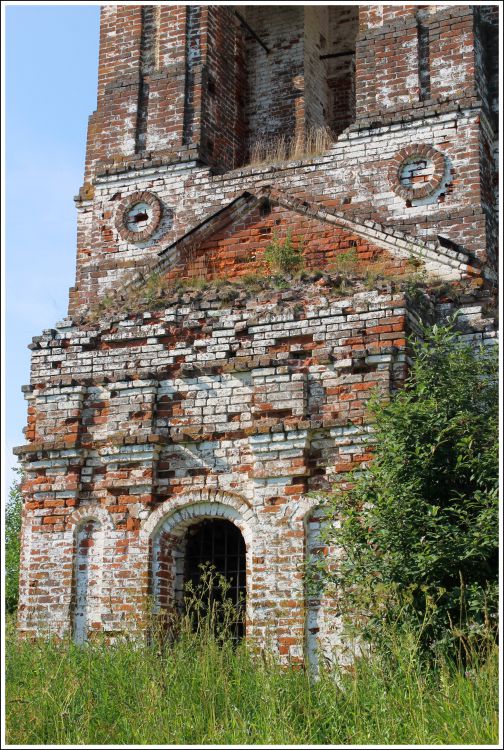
<point x="190" y="389"/>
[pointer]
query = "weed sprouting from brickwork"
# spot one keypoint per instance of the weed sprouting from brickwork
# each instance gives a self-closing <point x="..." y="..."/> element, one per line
<point x="374" y="269"/>
<point x="345" y="262"/>
<point x="343" y="276"/>
<point x="282" y="256"/>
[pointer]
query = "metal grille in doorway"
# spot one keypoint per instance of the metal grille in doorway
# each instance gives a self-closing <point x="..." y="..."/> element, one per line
<point x="219" y="543"/>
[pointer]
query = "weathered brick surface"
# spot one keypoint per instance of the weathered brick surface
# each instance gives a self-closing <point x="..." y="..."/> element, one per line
<point x="352" y="177"/>
<point x="238" y="407"/>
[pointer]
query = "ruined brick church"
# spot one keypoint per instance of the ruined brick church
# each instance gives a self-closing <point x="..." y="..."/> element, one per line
<point x="197" y="396"/>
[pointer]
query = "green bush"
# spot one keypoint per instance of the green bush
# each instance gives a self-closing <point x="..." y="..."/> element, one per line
<point x="13" y="509"/>
<point x="418" y="528"/>
<point x="283" y="257"/>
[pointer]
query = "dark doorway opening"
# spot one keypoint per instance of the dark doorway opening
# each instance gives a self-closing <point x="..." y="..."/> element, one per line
<point x="219" y="543"/>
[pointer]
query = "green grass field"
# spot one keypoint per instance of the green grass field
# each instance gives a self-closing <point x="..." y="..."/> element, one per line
<point x="198" y="692"/>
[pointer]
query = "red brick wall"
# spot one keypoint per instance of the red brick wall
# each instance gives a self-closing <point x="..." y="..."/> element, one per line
<point x="112" y="128"/>
<point x="223" y="117"/>
<point x="242" y="408"/>
<point x="387" y="57"/>
<point x="239" y="249"/>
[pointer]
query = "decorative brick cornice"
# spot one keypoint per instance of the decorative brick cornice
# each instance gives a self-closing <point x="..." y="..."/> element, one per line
<point x="117" y="440"/>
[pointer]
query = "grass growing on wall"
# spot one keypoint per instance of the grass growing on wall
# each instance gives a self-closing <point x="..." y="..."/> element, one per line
<point x="200" y="691"/>
<point x="271" y="149"/>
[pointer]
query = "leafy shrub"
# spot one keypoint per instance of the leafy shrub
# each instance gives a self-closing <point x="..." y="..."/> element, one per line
<point x="283" y="257"/>
<point x="13" y="509"/>
<point x="418" y="528"/>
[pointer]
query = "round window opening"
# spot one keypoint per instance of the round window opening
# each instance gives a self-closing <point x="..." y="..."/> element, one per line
<point x="416" y="173"/>
<point x="139" y="217"/>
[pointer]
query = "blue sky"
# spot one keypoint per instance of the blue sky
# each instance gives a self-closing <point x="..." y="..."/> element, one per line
<point x="51" y="62"/>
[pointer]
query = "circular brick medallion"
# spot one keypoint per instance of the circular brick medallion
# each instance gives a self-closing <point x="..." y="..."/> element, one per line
<point x="138" y="216"/>
<point x="417" y="171"/>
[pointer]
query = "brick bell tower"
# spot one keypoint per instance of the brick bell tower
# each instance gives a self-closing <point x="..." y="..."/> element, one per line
<point x="196" y="396"/>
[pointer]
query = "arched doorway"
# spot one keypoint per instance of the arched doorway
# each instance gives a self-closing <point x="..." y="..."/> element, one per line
<point x="198" y="534"/>
<point x="218" y="543"/>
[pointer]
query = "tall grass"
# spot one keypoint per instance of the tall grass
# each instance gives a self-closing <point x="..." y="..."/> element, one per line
<point x="201" y="689"/>
<point x="271" y="149"/>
